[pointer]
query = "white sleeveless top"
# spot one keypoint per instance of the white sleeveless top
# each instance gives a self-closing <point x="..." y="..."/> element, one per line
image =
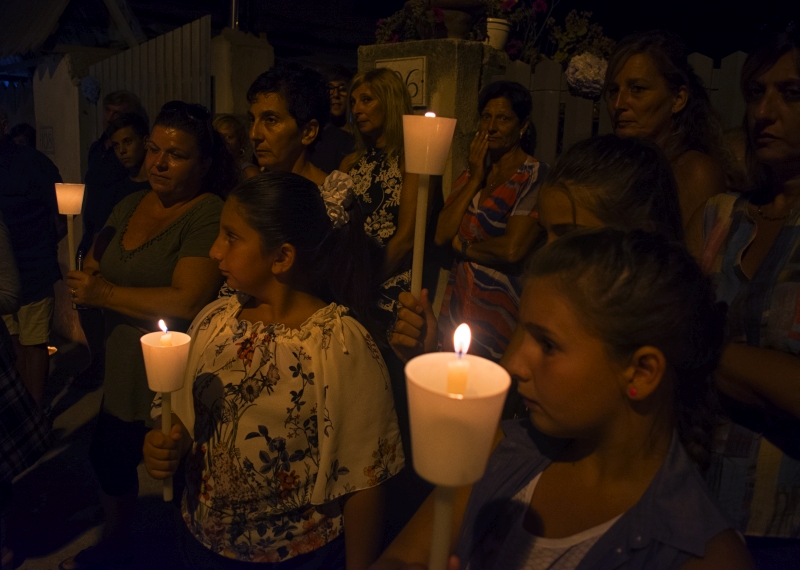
<point x="523" y="551"/>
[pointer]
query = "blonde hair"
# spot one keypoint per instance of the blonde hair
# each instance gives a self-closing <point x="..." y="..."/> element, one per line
<point x="391" y="92"/>
<point x="239" y="130"/>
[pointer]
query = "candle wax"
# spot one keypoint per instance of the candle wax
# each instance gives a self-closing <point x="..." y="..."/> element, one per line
<point x="457" y="374"/>
<point x="166" y="339"/>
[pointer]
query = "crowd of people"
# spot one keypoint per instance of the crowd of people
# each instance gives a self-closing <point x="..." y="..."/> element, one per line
<point x="642" y="292"/>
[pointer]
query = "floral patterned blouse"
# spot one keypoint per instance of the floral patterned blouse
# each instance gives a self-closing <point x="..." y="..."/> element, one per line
<point x="377" y="184"/>
<point x="285" y="422"/>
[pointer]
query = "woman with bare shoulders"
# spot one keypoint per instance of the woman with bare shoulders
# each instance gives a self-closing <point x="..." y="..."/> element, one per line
<point x="653" y="93"/>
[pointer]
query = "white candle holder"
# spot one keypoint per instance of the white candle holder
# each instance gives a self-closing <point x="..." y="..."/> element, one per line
<point x="70" y="202"/>
<point x="452" y="434"/>
<point x="427" y="142"/>
<point x="165" y="367"/>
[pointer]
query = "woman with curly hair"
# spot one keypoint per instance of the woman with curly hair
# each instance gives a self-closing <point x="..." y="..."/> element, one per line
<point x="653" y="93"/>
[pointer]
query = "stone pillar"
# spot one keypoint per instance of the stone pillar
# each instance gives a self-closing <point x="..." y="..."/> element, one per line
<point x="237" y="59"/>
<point x="444" y="76"/>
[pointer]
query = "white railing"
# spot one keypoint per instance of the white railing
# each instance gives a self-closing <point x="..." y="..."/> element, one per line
<point x="172" y="66"/>
<point x="562" y="119"/>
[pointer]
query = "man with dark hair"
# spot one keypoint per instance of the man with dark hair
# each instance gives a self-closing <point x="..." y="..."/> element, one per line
<point x="29" y="207"/>
<point x="128" y="134"/>
<point x="24" y="134"/>
<point x="336" y="140"/>
<point x="105" y="177"/>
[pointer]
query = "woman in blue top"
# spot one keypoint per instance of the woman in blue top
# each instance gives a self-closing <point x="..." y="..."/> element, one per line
<point x="617" y="338"/>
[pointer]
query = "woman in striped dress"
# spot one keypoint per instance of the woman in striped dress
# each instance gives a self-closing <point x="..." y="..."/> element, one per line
<point x="490" y="220"/>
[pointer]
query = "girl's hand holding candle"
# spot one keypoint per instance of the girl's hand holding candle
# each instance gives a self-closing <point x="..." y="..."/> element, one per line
<point x="458" y="370"/>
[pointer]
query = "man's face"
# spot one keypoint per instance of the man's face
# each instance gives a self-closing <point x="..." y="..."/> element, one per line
<point x="111" y="112"/>
<point x="338" y="92"/>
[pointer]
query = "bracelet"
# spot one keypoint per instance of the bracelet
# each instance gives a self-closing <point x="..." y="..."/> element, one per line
<point x="464" y="246"/>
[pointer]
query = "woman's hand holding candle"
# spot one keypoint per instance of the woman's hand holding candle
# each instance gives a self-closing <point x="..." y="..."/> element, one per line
<point x="89" y="290"/>
<point x="163" y="453"/>
<point x="415" y="331"/>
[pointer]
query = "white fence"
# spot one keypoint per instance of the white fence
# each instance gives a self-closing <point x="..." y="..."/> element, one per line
<point x="172" y="66"/>
<point x="17" y="99"/>
<point x="562" y="119"/>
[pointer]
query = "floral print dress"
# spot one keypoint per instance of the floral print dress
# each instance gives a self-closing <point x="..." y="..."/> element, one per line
<point x="377" y="184"/>
<point x="285" y="422"/>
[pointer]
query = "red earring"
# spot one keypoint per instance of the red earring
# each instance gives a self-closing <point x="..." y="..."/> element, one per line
<point x="633" y="392"/>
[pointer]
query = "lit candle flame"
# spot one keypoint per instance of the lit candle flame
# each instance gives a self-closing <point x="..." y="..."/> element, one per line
<point x="461" y="339"/>
<point x="430" y="114"/>
<point x="163" y="326"/>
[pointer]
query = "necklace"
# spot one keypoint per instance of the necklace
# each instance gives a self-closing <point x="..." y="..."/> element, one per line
<point x="501" y="177"/>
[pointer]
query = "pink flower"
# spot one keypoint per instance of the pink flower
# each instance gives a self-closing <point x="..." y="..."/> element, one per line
<point x="540" y="6"/>
<point x="394" y="39"/>
<point x="514" y="49"/>
<point x="438" y="15"/>
<point x="508" y="4"/>
<point x="381" y="22"/>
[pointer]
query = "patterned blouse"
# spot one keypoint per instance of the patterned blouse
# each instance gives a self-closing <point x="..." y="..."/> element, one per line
<point x="755" y="482"/>
<point x="487" y="298"/>
<point x="285" y="422"/>
<point x="377" y="183"/>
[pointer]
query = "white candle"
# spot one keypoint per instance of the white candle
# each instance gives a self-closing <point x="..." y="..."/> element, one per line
<point x="166" y="338"/>
<point x="458" y="370"/>
<point x="427" y="143"/>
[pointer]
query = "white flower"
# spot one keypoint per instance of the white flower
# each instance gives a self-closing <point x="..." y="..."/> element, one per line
<point x="337" y="192"/>
<point x="585" y="74"/>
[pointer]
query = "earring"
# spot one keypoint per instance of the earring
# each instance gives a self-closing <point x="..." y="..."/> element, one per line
<point x="633" y="392"/>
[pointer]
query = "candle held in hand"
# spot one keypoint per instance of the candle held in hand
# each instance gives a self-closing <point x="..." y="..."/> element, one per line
<point x="458" y="370"/>
<point x="166" y="338"/>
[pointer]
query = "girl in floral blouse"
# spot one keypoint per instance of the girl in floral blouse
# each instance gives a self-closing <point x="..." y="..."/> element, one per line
<point x="286" y="418"/>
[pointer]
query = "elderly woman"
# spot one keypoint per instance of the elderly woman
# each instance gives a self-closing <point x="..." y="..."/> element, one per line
<point x="654" y="94"/>
<point x="150" y="262"/>
<point x="749" y="244"/>
<point x="386" y="194"/>
<point x="489" y="218"/>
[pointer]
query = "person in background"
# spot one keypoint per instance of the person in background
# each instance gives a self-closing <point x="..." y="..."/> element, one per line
<point x="750" y="245"/>
<point x="107" y="182"/>
<point x="128" y="136"/>
<point x="618" y="337"/>
<point x="489" y="219"/>
<point x="235" y="136"/>
<point x="653" y="93"/>
<point x="28" y="204"/>
<point x="24" y="431"/>
<point x="336" y="139"/>
<point x="295" y="450"/>
<point x="24" y="134"/>
<point x="149" y="262"/>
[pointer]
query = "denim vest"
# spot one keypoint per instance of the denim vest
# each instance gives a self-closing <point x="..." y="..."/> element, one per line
<point x="672" y="521"/>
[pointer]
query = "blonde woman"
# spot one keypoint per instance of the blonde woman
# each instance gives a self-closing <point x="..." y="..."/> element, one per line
<point x="387" y="195"/>
<point x="235" y="136"/>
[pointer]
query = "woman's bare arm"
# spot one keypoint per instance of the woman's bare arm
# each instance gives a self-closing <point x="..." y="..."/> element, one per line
<point x="511" y="247"/>
<point x="364" y="517"/>
<point x="195" y="283"/>
<point x="403" y="239"/>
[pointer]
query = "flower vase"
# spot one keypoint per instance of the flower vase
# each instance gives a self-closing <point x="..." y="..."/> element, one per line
<point x="497" y="32"/>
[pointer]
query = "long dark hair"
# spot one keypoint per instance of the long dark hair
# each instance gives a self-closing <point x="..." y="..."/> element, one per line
<point x="195" y="120"/>
<point x="286" y="208"/>
<point x="696" y="126"/>
<point x="624" y="182"/>
<point x="776" y="39"/>
<point x="635" y="289"/>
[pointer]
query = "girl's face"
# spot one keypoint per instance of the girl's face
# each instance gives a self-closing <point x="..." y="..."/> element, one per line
<point x="367" y="111"/>
<point x="773" y="112"/>
<point x="238" y="250"/>
<point x="568" y="382"/>
<point x="556" y="214"/>
<point x="228" y="134"/>
<point x="173" y="162"/>
<point x="640" y="102"/>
